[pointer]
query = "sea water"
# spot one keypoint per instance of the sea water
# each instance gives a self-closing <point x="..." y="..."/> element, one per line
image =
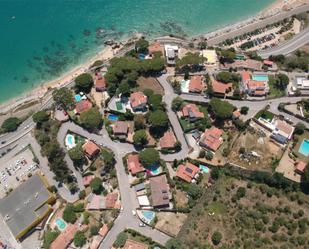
<point x="41" y="39"/>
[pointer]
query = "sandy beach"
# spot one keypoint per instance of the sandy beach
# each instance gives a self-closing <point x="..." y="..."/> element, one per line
<point x="107" y="53"/>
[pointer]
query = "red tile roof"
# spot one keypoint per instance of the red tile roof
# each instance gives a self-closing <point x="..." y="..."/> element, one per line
<point x="104" y="230"/>
<point x="196" y="84"/>
<point x="219" y="87"/>
<point x="82" y="106"/>
<point x="268" y="62"/>
<point x="187" y="172"/>
<point x="137" y="99"/>
<point x="192" y="108"/>
<point x="236" y="114"/>
<point x="91" y="149"/>
<point x="99" y="82"/>
<point x="110" y="200"/>
<point x="245" y="76"/>
<point x="132" y="244"/>
<point x="65" y="237"/>
<point x="155" y="47"/>
<point x="121" y="127"/>
<point x="300" y="166"/>
<point x="134" y="165"/>
<point x="212" y="138"/>
<point x="159" y="191"/>
<point x="254" y="84"/>
<point x="168" y="140"/>
<point x="87" y="180"/>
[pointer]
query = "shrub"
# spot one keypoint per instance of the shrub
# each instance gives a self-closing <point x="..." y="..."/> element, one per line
<point x="79" y="239"/>
<point x="120" y="240"/>
<point x="69" y="214"/>
<point x="216" y="238"/>
<point x="11" y="124"/>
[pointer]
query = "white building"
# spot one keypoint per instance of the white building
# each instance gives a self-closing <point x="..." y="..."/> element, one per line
<point x="171" y="53"/>
<point x="302" y="82"/>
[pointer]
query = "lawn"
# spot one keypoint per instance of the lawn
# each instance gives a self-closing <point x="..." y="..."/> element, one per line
<point x="273" y="90"/>
<point x="265" y="115"/>
<point x="300" y="139"/>
<point x="186" y="125"/>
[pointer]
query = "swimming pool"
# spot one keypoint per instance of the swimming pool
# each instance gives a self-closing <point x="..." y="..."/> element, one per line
<point x="261" y="77"/>
<point x="112" y="117"/>
<point x="78" y="98"/>
<point x="304" y="148"/>
<point x="141" y="57"/>
<point x="60" y="224"/>
<point x="184" y="84"/>
<point x="204" y="168"/>
<point x="148" y="215"/>
<point x="154" y="169"/>
<point x="70" y="141"/>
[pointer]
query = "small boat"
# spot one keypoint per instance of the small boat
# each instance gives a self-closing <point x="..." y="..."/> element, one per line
<point x="13" y="17"/>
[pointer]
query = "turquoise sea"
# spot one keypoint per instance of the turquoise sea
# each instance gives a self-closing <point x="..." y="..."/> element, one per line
<point x="41" y="39"/>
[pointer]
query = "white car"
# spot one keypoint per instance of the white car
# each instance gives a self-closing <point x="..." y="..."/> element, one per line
<point x="133" y="212"/>
<point x="142" y="224"/>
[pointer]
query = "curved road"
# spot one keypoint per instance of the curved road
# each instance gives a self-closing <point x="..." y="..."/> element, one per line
<point x="288" y="47"/>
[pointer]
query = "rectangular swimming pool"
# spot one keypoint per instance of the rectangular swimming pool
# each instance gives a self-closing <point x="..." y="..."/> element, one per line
<point x="261" y="77"/>
<point x="304" y="148"/>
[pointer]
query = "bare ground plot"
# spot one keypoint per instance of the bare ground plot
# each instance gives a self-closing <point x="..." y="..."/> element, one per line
<point x="253" y="142"/>
<point x="263" y="217"/>
<point x="150" y="83"/>
<point x="170" y="223"/>
<point x="293" y="108"/>
<point x="181" y="198"/>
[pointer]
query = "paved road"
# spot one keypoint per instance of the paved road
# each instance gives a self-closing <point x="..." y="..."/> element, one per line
<point x="288" y="47"/>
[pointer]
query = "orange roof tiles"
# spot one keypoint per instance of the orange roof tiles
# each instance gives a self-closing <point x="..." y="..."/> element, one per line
<point x="212" y="138"/>
<point x="219" y="87"/>
<point x="236" y="114"/>
<point x="91" y="149"/>
<point x="110" y="200"/>
<point x="191" y="109"/>
<point x="137" y="99"/>
<point x="245" y="76"/>
<point x="155" y="47"/>
<point x="168" y="140"/>
<point x="134" y="165"/>
<point x="187" y="172"/>
<point x="196" y="84"/>
<point x="268" y="62"/>
<point x="132" y="244"/>
<point x="82" y="106"/>
<point x="87" y="180"/>
<point x="100" y="82"/>
<point x="254" y="84"/>
<point x="65" y="238"/>
<point x="104" y="230"/>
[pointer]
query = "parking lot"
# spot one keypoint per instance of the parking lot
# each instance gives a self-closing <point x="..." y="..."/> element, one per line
<point x="16" y="170"/>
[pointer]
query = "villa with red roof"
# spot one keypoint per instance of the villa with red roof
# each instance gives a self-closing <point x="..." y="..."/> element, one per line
<point x="196" y="84"/>
<point x="99" y="83"/>
<point x="245" y="77"/>
<point x="82" y="106"/>
<point x="187" y="172"/>
<point x="138" y="101"/>
<point x="272" y="66"/>
<point x="256" y="88"/>
<point x="120" y="129"/>
<point x="91" y="149"/>
<point x="134" y="165"/>
<point x="192" y="112"/>
<point x="300" y="167"/>
<point x="211" y="139"/>
<point x="168" y="141"/>
<point x="221" y="89"/>
<point x="65" y="237"/>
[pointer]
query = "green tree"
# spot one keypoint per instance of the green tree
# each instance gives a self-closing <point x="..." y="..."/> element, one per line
<point x="155" y="102"/>
<point x="96" y="185"/>
<point x="84" y="82"/>
<point x="94" y="230"/>
<point x="299" y="128"/>
<point x="108" y="157"/>
<point x="91" y="119"/>
<point x="244" y="110"/>
<point x="209" y="155"/>
<point x="11" y="124"/>
<point x="221" y="109"/>
<point x="69" y="214"/>
<point x="79" y="239"/>
<point x="158" y="119"/>
<point x="216" y="238"/>
<point x="124" y="89"/>
<point x="120" y="240"/>
<point x="194" y="191"/>
<point x="82" y="194"/>
<point x="139" y="122"/>
<point x="177" y="104"/>
<point x="63" y="97"/>
<point x="49" y="237"/>
<point x="77" y="155"/>
<point x="240" y="193"/>
<point x="190" y="59"/>
<point x="282" y="81"/>
<point x="141" y="46"/>
<point x="149" y="157"/>
<point x="228" y="55"/>
<point x="140" y="138"/>
<point x="40" y="117"/>
<point x="173" y="243"/>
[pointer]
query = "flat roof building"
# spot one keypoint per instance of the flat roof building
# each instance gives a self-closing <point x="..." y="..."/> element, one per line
<point x="26" y="206"/>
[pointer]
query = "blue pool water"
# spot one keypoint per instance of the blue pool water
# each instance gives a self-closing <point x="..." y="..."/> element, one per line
<point x="304" y="148"/>
<point x="78" y="98"/>
<point x="112" y="117"/>
<point x="154" y="169"/>
<point x="141" y="56"/>
<point x="260" y="77"/>
<point x="204" y="168"/>
<point x="149" y="215"/>
<point x="60" y="224"/>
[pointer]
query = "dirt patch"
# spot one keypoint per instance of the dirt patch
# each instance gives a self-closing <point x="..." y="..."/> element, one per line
<point x="150" y="83"/>
<point x="180" y="199"/>
<point x="265" y="149"/>
<point x="170" y="223"/>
